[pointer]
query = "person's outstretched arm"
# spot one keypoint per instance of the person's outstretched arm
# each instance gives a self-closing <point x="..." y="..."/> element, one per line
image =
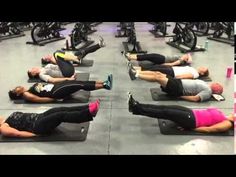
<point x="8" y="131"/>
<point x="220" y="127"/>
<point x="36" y="99"/>
<point x="195" y="98"/>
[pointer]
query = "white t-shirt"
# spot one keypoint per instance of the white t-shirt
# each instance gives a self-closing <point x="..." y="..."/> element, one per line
<point x="49" y="71"/>
<point x="180" y="70"/>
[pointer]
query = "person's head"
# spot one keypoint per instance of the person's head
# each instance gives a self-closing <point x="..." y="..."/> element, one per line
<point x="216" y="88"/>
<point x="34" y="72"/>
<point x="203" y="71"/>
<point x="16" y="93"/>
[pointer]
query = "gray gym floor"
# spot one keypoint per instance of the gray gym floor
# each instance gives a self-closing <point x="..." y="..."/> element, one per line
<point x="115" y="130"/>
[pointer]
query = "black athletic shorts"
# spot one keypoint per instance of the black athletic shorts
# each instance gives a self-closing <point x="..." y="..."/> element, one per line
<point x="173" y="87"/>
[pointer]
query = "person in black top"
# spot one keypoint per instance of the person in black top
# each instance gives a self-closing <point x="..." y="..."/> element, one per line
<point x="45" y="92"/>
<point x="26" y="125"/>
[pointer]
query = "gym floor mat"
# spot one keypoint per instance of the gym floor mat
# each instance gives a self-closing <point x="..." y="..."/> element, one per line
<point x="81" y="96"/>
<point x="158" y="95"/>
<point x="64" y="132"/>
<point x="205" y="78"/>
<point x="168" y="127"/>
<point x="79" y="77"/>
<point x="86" y="63"/>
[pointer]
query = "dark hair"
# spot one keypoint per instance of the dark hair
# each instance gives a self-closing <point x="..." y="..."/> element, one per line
<point x="31" y="76"/>
<point x="13" y="95"/>
<point x="44" y="62"/>
<point x="206" y="73"/>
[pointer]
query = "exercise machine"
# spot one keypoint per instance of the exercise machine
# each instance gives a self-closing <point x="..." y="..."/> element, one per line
<point x="132" y="45"/>
<point x="160" y="29"/>
<point x="25" y="26"/>
<point x="185" y="39"/>
<point x="200" y="28"/>
<point x="44" y="33"/>
<point x="9" y="30"/>
<point x="224" y="32"/>
<point x="124" y="29"/>
<point x="78" y="36"/>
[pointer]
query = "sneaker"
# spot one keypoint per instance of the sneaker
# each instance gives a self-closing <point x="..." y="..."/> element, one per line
<point x="126" y="55"/>
<point x="132" y="72"/>
<point x="108" y="83"/>
<point x="101" y="42"/>
<point x="110" y="79"/>
<point x="131" y="102"/>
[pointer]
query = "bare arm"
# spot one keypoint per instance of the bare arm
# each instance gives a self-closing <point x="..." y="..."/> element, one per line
<point x="185" y="76"/>
<point x="220" y="127"/>
<point x="195" y="98"/>
<point x="36" y="99"/>
<point x="8" y="131"/>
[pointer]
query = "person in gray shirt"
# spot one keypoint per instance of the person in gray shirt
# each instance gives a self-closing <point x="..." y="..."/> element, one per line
<point x="187" y="89"/>
<point x="64" y="70"/>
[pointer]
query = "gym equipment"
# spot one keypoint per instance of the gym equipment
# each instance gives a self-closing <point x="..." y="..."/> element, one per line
<point x="44" y="33"/>
<point x="78" y="97"/>
<point x="79" y="77"/>
<point x="222" y="28"/>
<point x="88" y="28"/>
<point x="200" y="28"/>
<point x="124" y="29"/>
<point x="160" y="29"/>
<point x="168" y="127"/>
<point x="24" y="26"/>
<point x="64" y="132"/>
<point x="84" y="63"/>
<point x="132" y="45"/>
<point x="158" y="95"/>
<point x="185" y="39"/>
<point x="9" y="30"/>
<point x="79" y="35"/>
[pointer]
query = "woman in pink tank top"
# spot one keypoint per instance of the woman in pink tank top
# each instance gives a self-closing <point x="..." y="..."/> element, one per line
<point x="209" y="120"/>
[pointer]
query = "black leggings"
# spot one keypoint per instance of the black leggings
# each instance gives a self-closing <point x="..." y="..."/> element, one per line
<point x="50" y="119"/>
<point x="66" y="88"/>
<point x="161" y="68"/>
<point x="183" y="116"/>
<point x="155" y="58"/>
<point x="83" y="52"/>
<point x="66" y="67"/>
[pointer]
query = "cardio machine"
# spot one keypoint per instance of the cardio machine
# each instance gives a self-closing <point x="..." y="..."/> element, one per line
<point x="184" y="39"/>
<point x="132" y="45"/>
<point x="44" y="33"/>
<point x="224" y="32"/>
<point x="78" y="36"/>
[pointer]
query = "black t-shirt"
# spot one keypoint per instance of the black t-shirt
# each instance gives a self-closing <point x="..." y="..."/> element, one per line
<point x="42" y="89"/>
<point x="22" y="121"/>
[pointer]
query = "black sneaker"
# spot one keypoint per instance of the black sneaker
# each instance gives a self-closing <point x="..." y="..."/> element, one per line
<point x="132" y="72"/>
<point x="131" y="102"/>
<point x="110" y="79"/>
